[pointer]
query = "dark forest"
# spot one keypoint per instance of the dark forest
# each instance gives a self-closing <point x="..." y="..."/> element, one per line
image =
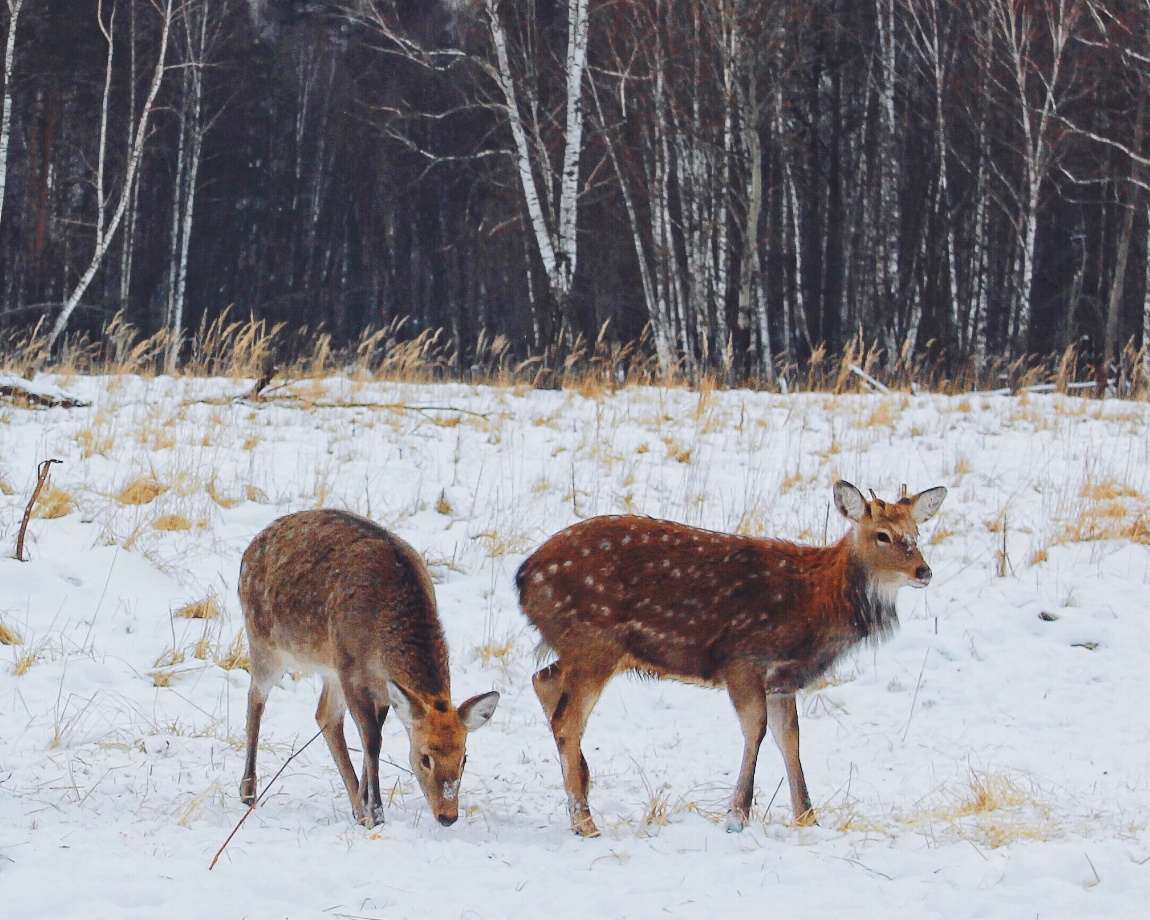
<point x="739" y="185"/>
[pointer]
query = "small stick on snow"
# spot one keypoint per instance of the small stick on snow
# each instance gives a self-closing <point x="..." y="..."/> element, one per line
<point x="41" y="480"/>
<point x="252" y="807"/>
<point x="914" y="698"/>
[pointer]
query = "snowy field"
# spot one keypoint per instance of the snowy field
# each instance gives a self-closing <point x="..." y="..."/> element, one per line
<point x="992" y="760"/>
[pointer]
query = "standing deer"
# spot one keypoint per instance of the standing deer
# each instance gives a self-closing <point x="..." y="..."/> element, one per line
<point x="763" y="618"/>
<point x="332" y="591"/>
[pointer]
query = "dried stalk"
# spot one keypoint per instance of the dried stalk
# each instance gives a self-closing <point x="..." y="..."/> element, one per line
<point x="41" y="480"/>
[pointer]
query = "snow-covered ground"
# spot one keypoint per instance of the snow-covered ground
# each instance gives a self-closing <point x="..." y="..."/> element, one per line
<point x="992" y="760"/>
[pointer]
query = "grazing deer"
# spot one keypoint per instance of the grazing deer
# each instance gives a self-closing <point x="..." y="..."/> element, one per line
<point x="332" y="591"/>
<point x="762" y="618"/>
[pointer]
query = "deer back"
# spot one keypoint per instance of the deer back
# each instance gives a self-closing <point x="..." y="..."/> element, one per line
<point x="688" y="603"/>
<point x="340" y="593"/>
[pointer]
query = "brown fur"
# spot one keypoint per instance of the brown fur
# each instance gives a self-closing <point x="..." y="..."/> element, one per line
<point x="762" y="618"/>
<point x="335" y="592"/>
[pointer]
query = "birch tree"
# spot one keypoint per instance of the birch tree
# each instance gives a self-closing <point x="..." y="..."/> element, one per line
<point x="1035" y="41"/>
<point x="194" y="20"/>
<point x="14" y="7"/>
<point x="110" y="208"/>
<point x="550" y="193"/>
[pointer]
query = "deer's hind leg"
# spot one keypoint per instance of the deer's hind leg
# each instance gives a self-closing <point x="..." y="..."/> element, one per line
<point x="568" y="695"/>
<point x="266" y="669"/>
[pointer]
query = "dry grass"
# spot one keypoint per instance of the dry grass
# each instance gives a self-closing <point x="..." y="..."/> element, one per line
<point x="496" y="653"/>
<point x="171" y="523"/>
<point x="8" y="636"/>
<point x="139" y="492"/>
<point x="254" y="349"/>
<point x="54" y="502"/>
<point x="990" y="809"/>
<point x="207" y="608"/>
<point x="235" y="655"/>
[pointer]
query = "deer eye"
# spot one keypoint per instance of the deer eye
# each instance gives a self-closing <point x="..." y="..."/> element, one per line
<point x="882" y="536"/>
<point x="425" y="762"/>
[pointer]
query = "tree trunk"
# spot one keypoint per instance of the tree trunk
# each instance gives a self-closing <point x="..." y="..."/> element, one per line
<point x="106" y="229"/>
<point x="6" y="118"/>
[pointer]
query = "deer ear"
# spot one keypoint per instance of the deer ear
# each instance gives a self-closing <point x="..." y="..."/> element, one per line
<point x="476" y="711"/>
<point x="405" y="705"/>
<point x="926" y="504"/>
<point x="849" y="501"/>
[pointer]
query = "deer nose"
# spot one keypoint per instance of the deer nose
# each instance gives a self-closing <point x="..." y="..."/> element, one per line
<point x="447" y="820"/>
<point x="922" y="574"/>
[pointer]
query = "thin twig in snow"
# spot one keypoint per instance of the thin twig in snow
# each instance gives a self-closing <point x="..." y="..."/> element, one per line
<point x="259" y="799"/>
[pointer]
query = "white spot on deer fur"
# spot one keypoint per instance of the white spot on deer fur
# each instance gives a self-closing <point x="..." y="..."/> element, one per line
<point x="567" y="564"/>
<point x="605" y="545"/>
<point x="675" y="573"/>
<point x="666" y="538"/>
<point x="589" y="581"/>
<point x="666" y="563"/>
<point x="584" y="552"/>
<point x="626" y="539"/>
<point x="539" y="576"/>
<point x="645" y="538"/>
<point x="607" y="570"/>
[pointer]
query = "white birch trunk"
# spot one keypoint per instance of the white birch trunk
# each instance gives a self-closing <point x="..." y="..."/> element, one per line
<point x="196" y="42"/>
<point x="1146" y="311"/>
<point x="577" y="25"/>
<point x="557" y="244"/>
<point x="106" y="231"/>
<point x="14" y="7"/>
<point x="888" y="205"/>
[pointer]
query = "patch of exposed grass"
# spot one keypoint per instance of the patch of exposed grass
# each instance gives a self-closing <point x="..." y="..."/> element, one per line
<point x="235" y="655"/>
<point x="8" y="636"/>
<point x="207" y="608"/>
<point x="54" y="502"/>
<point x="171" y="523"/>
<point x="139" y="492"/>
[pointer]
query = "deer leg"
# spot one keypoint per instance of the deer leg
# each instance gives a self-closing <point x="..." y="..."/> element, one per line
<point x="266" y="669"/>
<point x="568" y="699"/>
<point x="329" y="714"/>
<point x="750" y="702"/>
<point x="369" y="719"/>
<point x="783" y="718"/>
<point x="257" y="698"/>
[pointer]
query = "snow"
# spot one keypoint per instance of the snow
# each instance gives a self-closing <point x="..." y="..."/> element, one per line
<point x="986" y="762"/>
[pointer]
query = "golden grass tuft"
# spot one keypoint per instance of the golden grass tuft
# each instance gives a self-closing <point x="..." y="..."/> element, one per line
<point x="170" y="523"/>
<point x="496" y="653"/>
<point x="139" y="492"/>
<point x="23" y="663"/>
<point x="162" y="678"/>
<point x="235" y="655"/>
<point x="443" y="504"/>
<point x="1108" y="520"/>
<point x="54" y="502"/>
<point x="5" y="487"/>
<point x="8" y="636"/>
<point x="206" y="609"/>
<point x="993" y="809"/>
<point x="1107" y="490"/>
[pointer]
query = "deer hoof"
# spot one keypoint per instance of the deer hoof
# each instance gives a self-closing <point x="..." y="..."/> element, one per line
<point x="806" y="819"/>
<point x="581" y="822"/>
<point x="736" y="821"/>
<point x="248" y="790"/>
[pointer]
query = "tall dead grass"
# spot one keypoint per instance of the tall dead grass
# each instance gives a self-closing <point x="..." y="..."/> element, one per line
<point x="246" y="347"/>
